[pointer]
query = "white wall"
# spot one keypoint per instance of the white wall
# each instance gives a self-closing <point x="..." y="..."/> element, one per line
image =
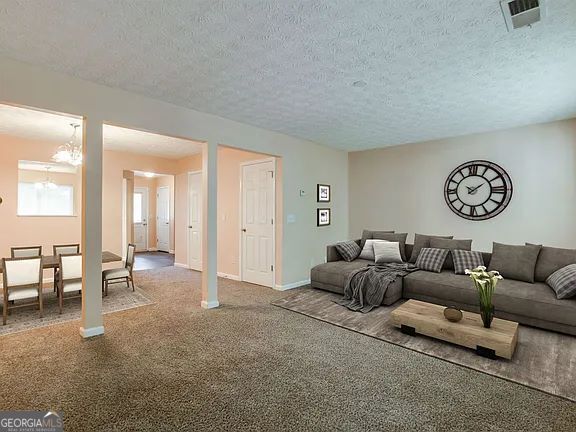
<point x="304" y="163"/>
<point x="401" y="187"/>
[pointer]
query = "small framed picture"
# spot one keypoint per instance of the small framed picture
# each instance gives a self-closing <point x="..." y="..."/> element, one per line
<point x="323" y="217"/>
<point x="323" y="193"/>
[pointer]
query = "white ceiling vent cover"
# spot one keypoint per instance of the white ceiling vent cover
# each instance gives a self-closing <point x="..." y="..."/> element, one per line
<point x="521" y="13"/>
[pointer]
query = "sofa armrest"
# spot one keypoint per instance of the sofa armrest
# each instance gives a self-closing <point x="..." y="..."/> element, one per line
<point x="332" y="254"/>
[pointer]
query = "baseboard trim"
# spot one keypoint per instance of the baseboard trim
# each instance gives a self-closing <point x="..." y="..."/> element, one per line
<point x="210" y="304"/>
<point x="228" y="276"/>
<point x="91" y="332"/>
<point x="171" y="251"/>
<point x="292" y="285"/>
<point x="181" y="265"/>
<point x="152" y="250"/>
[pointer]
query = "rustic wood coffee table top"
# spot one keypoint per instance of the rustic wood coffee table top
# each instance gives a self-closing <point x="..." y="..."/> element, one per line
<point x="428" y="319"/>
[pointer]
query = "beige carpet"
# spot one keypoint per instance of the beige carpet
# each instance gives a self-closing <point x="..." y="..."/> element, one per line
<point x="248" y="365"/>
<point x="119" y="298"/>
<point x="543" y="360"/>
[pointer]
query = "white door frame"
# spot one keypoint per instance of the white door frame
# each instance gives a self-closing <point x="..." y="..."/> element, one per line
<point x="147" y="212"/>
<point x="241" y="215"/>
<point x="188" y="174"/>
<point x="157" y="218"/>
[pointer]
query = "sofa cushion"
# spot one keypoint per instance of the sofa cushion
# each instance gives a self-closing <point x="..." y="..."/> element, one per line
<point x="369" y="234"/>
<point x="387" y="252"/>
<point x="368" y="250"/>
<point x="422" y="241"/>
<point x="393" y="237"/>
<point x="515" y="262"/>
<point x="552" y="259"/>
<point x="348" y="250"/>
<point x="563" y="282"/>
<point x="332" y="277"/>
<point x="431" y="259"/>
<point x="450" y="244"/>
<point x="464" y="259"/>
<point x="535" y="301"/>
<point x="337" y="272"/>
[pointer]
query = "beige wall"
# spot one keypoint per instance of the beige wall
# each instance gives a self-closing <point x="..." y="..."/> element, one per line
<point x="49" y="230"/>
<point x="304" y="163"/>
<point x="401" y="187"/>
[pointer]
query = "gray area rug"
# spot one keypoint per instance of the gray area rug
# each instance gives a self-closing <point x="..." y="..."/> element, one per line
<point x="119" y="298"/>
<point x="543" y="360"/>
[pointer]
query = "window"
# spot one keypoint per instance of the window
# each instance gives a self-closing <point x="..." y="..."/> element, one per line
<point x="138" y="207"/>
<point x="35" y="199"/>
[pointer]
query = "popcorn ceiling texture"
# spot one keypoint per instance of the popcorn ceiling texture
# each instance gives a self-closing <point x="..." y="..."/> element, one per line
<point x="433" y="68"/>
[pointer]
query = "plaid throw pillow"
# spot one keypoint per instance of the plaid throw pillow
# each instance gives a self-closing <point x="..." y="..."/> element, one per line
<point x="464" y="259"/>
<point x="348" y="250"/>
<point x="563" y="282"/>
<point x="431" y="259"/>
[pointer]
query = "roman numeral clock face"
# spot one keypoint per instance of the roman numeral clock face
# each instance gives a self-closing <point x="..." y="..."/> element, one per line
<point x="478" y="190"/>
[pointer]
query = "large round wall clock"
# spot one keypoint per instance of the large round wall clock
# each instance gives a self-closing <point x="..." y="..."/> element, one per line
<point x="478" y="190"/>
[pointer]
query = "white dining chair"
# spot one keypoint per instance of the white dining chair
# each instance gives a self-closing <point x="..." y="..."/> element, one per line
<point x="26" y="251"/>
<point x="64" y="249"/>
<point x="70" y="279"/>
<point x="22" y="278"/>
<point x="122" y="274"/>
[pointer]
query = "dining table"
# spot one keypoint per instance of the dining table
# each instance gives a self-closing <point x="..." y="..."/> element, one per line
<point x="52" y="261"/>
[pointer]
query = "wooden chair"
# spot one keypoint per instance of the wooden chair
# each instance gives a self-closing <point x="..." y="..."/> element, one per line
<point x="26" y="251"/>
<point x="22" y="279"/>
<point x="123" y="274"/>
<point x="70" y="279"/>
<point x="64" y="249"/>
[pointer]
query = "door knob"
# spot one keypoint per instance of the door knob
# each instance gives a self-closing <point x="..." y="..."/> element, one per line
<point x="190" y="226"/>
<point x="243" y="229"/>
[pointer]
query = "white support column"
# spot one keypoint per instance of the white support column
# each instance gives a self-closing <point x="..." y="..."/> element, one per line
<point x="209" y="226"/>
<point x="92" y="323"/>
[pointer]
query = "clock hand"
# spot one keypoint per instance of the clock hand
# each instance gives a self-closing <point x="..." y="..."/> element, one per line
<point x="473" y="191"/>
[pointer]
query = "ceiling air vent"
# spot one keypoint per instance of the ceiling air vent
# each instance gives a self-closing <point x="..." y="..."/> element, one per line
<point x="521" y="13"/>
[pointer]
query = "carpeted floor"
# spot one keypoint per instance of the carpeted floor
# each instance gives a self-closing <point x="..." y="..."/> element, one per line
<point x="543" y="359"/>
<point x="251" y="366"/>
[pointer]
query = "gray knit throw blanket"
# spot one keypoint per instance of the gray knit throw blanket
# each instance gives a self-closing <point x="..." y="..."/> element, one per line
<point x="366" y="287"/>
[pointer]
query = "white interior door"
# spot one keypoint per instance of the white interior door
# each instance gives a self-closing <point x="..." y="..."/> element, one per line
<point x="140" y="221"/>
<point x="195" y="221"/>
<point x="258" y="206"/>
<point x="163" y="219"/>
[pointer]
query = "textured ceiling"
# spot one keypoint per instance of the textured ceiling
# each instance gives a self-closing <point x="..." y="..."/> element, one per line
<point x="40" y="125"/>
<point x="433" y="68"/>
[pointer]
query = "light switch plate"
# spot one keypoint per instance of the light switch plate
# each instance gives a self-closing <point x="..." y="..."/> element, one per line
<point x="291" y="218"/>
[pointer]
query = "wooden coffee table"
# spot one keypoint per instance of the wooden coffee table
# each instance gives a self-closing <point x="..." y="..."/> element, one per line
<point x="417" y="317"/>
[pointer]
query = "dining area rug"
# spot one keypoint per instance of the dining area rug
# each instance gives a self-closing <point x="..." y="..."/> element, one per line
<point x="119" y="298"/>
<point x="543" y="360"/>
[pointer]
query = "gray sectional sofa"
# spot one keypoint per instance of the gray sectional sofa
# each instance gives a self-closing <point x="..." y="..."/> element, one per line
<point x="533" y="304"/>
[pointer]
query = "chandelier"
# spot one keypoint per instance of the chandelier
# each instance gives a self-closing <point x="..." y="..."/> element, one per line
<point x="46" y="184"/>
<point x="71" y="152"/>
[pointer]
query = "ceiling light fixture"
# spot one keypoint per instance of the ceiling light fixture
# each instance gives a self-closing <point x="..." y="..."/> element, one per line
<point x="359" y="84"/>
<point x="71" y="152"/>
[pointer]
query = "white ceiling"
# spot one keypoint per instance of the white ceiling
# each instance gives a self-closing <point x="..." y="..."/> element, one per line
<point x="50" y="127"/>
<point x="433" y="68"/>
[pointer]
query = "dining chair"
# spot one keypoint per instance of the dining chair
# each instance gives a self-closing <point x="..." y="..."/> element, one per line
<point x="22" y="278"/>
<point x="26" y="251"/>
<point x="123" y="274"/>
<point x="70" y="279"/>
<point x="64" y="249"/>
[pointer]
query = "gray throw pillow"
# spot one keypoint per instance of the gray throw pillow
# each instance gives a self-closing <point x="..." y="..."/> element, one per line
<point x="393" y="237"/>
<point x="450" y="244"/>
<point x="514" y="261"/>
<point x="348" y="250"/>
<point x="386" y="252"/>
<point x="552" y="259"/>
<point x="563" y="282"/>
<point x="431" y="259"/>
<point x="464" y="259"/>
<point x="369" y="234"/>
<point x="422" y="241"/>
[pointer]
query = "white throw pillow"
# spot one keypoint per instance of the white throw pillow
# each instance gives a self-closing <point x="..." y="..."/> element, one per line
<point x="368" y="250"/>
<point x="388" y="252"/>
